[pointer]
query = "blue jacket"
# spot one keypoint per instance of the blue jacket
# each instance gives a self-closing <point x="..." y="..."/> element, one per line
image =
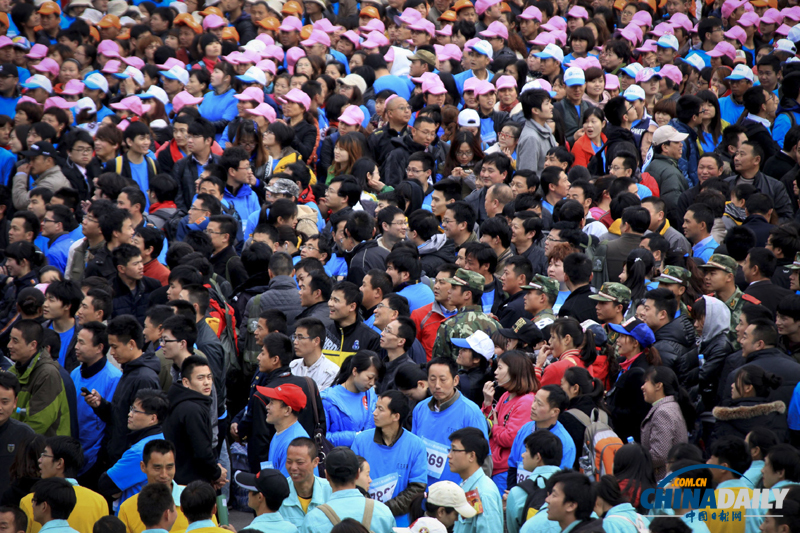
<point x="347" y="413"/>
<point x="729" y="110"/>
<point x="622" y="519"/>
<point x="517" y="498"/>
<point x="515" y="457"/>
<point x="8" y="107"/>
<point x="689" y="158"/>
<point x="126" y="473"/>
<point x="292" y="511"/>
<point x="349" y="503"/>
<point x="58" y="251"/>
<point x="491" y="519"/>
<point x="418" y="295"/>
<point x="272" y="523"/>
<point x="7" y="162"/>
<point x="219" y="109"/>
<point x="245" y="202"/>
<point x="102" y="377"/>
<point x="787" y="115"/>
<point x="793" y="418"/>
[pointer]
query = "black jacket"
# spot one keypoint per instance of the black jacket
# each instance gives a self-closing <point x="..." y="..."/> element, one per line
<point x="534" y="254"/>
<point x="12" y="434"/>
<point x="380" y="142"/>
<point x="242" y="294"/>
<point x="778" y="166"/>
<point x="101" y="264"/>
<point x="394" y="169"/>
<point x="626" y="402"/>
<point x="188" y="427"/>
<point x="745" y="414"/>
<point x="471" y="382"/>
<point x="769" y="295"/>
<point x="141" y="373"/>
<point x="318" y="310"/>
<point x="184" y="172"/>
<point x="775" y="190"/>
<point x="136" y="302"/>
<point x="578" y="305"/>
<point x="208" y="343"/>
<point x="364" y="257"/>
<point x="776" y="361"/>
<point x="228" y="265"/>
<point x="477" y="199"/>
<point x="8" y="305"/>
<point x="575" y="427"/>
<point x="432" y="257"/>
<point x="282" y="294"/>
<point x="781" y="275"/>
<point x="760" y="227"/>
<point x="707" y="377"/>
<point x="674" y="340"/>
<point x="342" y="342"/>
<point x="618" y="140"/>
<point x="305" y="138"/>
<point x="512" y="309"/>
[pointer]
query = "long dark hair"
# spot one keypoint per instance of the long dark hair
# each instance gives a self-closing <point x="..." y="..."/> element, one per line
<point x="639" y="264"/>
<point x="360" y="362"/>
<point x="587" y="385"/>
<point x="762" y="381"/>
<point x="715" y="126"/>
<point x="672" y="387"/>
<point x="633" y="463"/>
<point x="585" y="343"/>
<point x="26" y="460"/>
<point x="608" y="489"/>
<point x="462" y="137"/>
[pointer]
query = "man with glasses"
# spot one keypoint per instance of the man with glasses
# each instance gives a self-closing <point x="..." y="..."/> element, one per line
<point x="393" y="226"/>
<point x="423" y="134"/>
<point x="308" y="339"/>
<point x="202" y="208"/>
<point x="239" y="173"/>
<point x="396" y="114"/>
<point x="199" y="138"/>
<point x="419" y="169"/>
<point x="761" y="105"/>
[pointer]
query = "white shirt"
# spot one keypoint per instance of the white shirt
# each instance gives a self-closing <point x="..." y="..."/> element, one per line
<point x="323" y="372"/>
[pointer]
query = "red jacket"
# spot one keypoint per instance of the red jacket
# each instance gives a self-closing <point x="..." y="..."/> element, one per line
<point x="428" y="319"/>
<point x="583" y="151"/>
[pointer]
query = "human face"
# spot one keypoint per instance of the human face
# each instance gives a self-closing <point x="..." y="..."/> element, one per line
<point x="555" y="270"/>
<point x="382" y="415"/>
<point x="338" y="307"/>
<point x="744" y="160"/>
<point x="707" y="169"/>
<point x="458" y="457"/>
<point x="441" y="288"/>
<point x="540" y="408"/>
<point x="81" y="153"/>
<point x="363" y="381"/>
<point x="626" y="346"/>
<point x="490" y="175"/>
<point x="47" y="464"/>
<point x="16" y="231"/>
<point x="438" y="203"/>
<point x="200" y="381"/>
<point x="652" y="392"/>
<point x="769" y="476"/>
<point x="464" y="155"/>
<point x="748" y="341"/>
<point x="424" y="134"/>
<point x="693" y="229"/>
<point x="140" y="144"/>
<point x="54" y="309"/>
<point x="138" y="418"/>
<point x="451" y="227"/>
<point x="40" y="163"/>
<point x="441" y="383"/>
<point x="85" y="350"/>
<point x="160" y="468"/>
<point x="299" y="464"/>
<point x="593" y="127"/>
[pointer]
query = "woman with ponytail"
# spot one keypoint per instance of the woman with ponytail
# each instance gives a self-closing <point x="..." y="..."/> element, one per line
<point x="749" y="407"/>
<point x="612" y="505"/>
<point x="633" y="469"/>
<point x="569" y="346"/>
<point x="635" y="354"/>
<point x="585" y="394"/>
<point x="350" y="402"/>
<point x="635" y="274"/>
<point x="670" y="416"/>
<point x="23" y="261"/>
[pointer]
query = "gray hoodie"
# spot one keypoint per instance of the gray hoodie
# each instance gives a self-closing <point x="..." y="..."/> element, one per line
<point x="534" y="142"/>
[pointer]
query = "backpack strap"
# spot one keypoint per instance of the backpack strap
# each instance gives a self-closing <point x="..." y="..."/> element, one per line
<point x="369" y="506"/>
<point x="581" y="416"/>
<point x="328" y="511"/>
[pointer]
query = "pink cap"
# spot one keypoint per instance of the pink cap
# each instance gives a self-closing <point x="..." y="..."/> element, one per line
<point x="251" y="93"/>
<point x="612" y="82"/>
<point x="649" y="46"/>
<point x="646" y="74"/>
<point x="266" y="39"/>
<point x="723" y="49"/>
<point x="213" y="21"/>
<point x="748" y="19"/>
<point x="373" y="25"/>
<point x="410" y="16"/>
<point x="275" y="52"/>
<point x="426" y="76"/>
<point x="662" y="29"/>
<point x="783" y="29"/>
<point x="39" y="51"/>
<point x="772" y="16"/>
<point x="111" y="67"/>
<point x="47" y="64"/>
<point x="578" y="12"/>
<point x="495" y="29"/>
<point x="267" y="65"/>
<point x="424" y="25"/>
<point x="469" y="43"/>
<point x="532" y="13"/>
<point x="555" y="23"/>
<point x="233" y="57"/>
<point x="291" y="24"/>
<point x="450" y="51"/>
<point x="737" y="33"/>
<point x="353" y="37"/>
<point x="293" y="55"/>
<point x="680" y="20"/>
<point x="249" y="56"/>
<point x="182" y="99"/>
<point x="470" y="84"/>
<point x="28" y="99"/>
<point x="107" y="48"/>
<point x="299" y="97"/>
<point x="584" y="63"/>
<point x="73" y="88"/>
<point x="730" y="6"/>
<point x="628" y="34"/>
<point x="671" y="72"/>
<point x="352" y="115"/>
<point x="484" y="87"/>
<point x="265" y="110"/>
<point x="375" y="39"/>
<point x="317" y="37"/>
<point x="57" y="101"/>
<point x="134" y="62"/>
<point x="642" y="18"/>
<point x="389" y="55"/>
<point x="5" y="41"/>
<point x="434" y="86"/>
<point x="506" y="82"/>
<point x="792" y="13"/>
<point x="325" y="25"/>
<point x="560" y="37"/>
<point x="134" y="105"/>
<point x="446" y="31"/>
<point x="171" y="62"/>
<point x="543" y="39"/>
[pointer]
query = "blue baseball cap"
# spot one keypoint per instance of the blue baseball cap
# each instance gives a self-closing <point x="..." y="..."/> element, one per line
<point x="637" y="329"/>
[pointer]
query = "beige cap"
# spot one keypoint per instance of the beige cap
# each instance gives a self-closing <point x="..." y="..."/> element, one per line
<point x="449" y="494"/>
<point x="668" y="134"/>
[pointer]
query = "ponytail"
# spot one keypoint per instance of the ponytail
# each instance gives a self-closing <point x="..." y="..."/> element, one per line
<point x="665" y="376"/>
<point x="360" y="362"/>
<point x="585" y="342"/>
<point x="762" y="381"/>
<point x="25" y="251"/>
<point x="587" y="385"/>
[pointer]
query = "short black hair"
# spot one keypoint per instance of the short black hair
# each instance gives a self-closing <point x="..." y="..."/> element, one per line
<point x="58" y="494"/>
<point x="578" y="267"/>
<point x="463" y="212"/>
<point x="9" y="381"/>
<point x="192" y="362"/>
<point x="164" y="188"/>
<point x="482" y="253"/>
<point x="474" y="441"/>
<point x="68" y="293"/>
<point x="198" y="500"/>
<point x="556" y="397"/>
<point x="702" y="215"/>
<point x="577" y="489"/>
<point x="638" y="218"/>
<point x="764" y="259"/>
<point x="663" y="300"/>
<point x="547" y="444"/>
<point x="20" y="518"/>
<point x="733" y="451"/>
<point x="126" y="328"/>
<point x="154" y="500"/>
<point x="183" y="329"/>
<point x="398" y="404"/>
<point x="786" y="458"/>
<point x="280" y="346"/>
<point x="70" y="451"/>
<point x="124" y="254"/>
<point x="449" y="362"/>
<point x="153" y="402"/>
<point x="351" y="292"/>
<point x="112" y="221"/>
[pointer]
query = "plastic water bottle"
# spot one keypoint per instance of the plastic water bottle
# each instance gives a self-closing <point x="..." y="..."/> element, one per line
<point x="21" y="410"/>
<point x="630" y="440"/>
<point x="701" y="359"/>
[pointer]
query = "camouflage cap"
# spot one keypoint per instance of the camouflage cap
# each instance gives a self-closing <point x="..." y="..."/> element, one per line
<point x="721" y="262"/>
<point x="613" y="292"/>
<point x="674" y="274"/>
<point x="542" y="283"/>
<point x="796" y="264"/>
<point x="468" y="278"/>
<point x="284" y="186"/>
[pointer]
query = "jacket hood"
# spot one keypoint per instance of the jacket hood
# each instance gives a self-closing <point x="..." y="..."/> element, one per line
<point x="542" y="131"/>
<point x="254" y="284"/>
<point x="617" y="133"/>
<point x="718" y="319"/>
<point x="178" y="394"/>
<point x="147" y="360"/>
<point x="436" y="243"/>
<point x="744" y="412"/>
<point x="282" y="282"/>
<point x="683" y="128"/>
<point x="786" y="105"/>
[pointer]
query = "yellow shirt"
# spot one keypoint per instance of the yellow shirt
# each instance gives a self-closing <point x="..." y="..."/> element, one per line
<point x="90" y="508"/>
<point x="734" y="517"/>
<point x="129" y="513"/>
<point x="304" y="503"/>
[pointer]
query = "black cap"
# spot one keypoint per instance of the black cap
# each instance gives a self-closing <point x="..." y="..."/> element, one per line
<point x="524" y="330"/>
<point x="9" y="69"/>
<point x="40" y="148"/>
<point x="269" y="482"/>
<point x="342" y="463"/>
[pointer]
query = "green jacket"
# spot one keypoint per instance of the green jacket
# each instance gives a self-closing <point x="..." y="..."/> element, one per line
<point x="42" y="400"/>
<point x="467" y="321"/>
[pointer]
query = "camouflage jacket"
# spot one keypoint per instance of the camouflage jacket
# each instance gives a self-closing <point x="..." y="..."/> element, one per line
<point x="735" y="304"/>
<point x="467" y="321"/>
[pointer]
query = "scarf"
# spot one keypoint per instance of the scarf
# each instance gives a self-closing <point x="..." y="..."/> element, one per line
<point x="161" y="205"/>
<point x="625" y="365"/>
<point x="571" y="353"/>
<point x="175" y="152"/>
<point x="508" y="108"/>
<point x="209" y="63"/>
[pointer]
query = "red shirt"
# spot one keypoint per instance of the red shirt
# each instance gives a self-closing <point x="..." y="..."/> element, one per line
<point x="156" y="270"/>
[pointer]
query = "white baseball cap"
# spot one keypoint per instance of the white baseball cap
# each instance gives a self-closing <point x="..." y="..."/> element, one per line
<point x="785" y="45"/>
<point x="668" y="41"/>
<point x="574" y="76"/>
<point x="425" y="524"/>
<point x="694" y="60"/>
<point x="741" y="72"/>
<point x="37" y="81"/>
<point x="633" y="93"/>
<point x="551" y="51"/>
<point x="478" y="341"/>
<point x="668" y="134"/>
<point x="96" y="81"/>
<point x="469" y="118"/>
<point x="449" y="494"/>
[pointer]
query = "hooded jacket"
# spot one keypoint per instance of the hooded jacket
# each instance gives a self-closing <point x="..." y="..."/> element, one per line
<point x="136" y="302"/>
<point x="188" y="426"/>
<point x="281" y="294"/>
<point x="772" y="360"/>
<point x="619" y="140"/>
<point x="394" y="169"/>
<point x="674" y="340"/>
<point x="185" y="174"/>
<point x="435" y="252"/>
<point x="714" y="345"/>
<point x="534" y="143"/>
<point x="42" y="399"/>
<point x="745" y="414"/>
<point x="364" y="257"/>
<point x="141" y="373"/>
<point x="342" y="342"/>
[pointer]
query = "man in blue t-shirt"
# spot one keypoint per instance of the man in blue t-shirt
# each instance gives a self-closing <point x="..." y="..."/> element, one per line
<point x="62" y="300"/>
<point x="286" y="402"/>
<point x="9" y="92"/>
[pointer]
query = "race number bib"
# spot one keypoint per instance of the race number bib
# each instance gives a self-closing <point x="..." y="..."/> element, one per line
<point x="522" y="475"/>
<point x="382" y="489"/>
<point x="437" y="457"/>
<point x="266" y="464"/>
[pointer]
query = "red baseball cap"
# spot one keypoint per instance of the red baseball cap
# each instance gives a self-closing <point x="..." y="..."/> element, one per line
<point x="288" y="393"/>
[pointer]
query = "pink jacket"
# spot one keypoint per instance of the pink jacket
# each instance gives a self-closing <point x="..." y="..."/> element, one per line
<point x="511" y="416"/>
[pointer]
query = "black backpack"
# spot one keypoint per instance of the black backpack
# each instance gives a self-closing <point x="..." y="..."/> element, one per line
<point x="536" y="495"/>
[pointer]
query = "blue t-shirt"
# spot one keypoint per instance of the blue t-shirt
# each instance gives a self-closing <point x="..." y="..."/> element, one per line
<point x="66" y="338"/>
<point x="126" y="473"/>
<point x="279" y="445"/>
<point x="487" y="301"/>
<point x="518" y="447"/>
<point x="139" y="175"/>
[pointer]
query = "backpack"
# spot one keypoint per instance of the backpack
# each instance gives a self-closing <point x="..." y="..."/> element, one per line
<point x="597" y="252"/>
<point x="640" y="526"/>
<point x="170" y="225"/>
<point x="150" y="163"/>
<point x="220" y="310"/>
<point x="600" y="443"/>
<point x="366" y="520"/>
<point x="323" y="444"/>
<point x="251" y="349"/>
<point x="536" y="494"/>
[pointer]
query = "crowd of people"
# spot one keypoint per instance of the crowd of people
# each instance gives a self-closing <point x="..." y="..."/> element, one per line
<point x="400" y="266"/>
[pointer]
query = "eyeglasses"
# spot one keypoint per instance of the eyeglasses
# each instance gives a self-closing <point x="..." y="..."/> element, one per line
<point x="410" y="170"/>
<point x="455" y="450"/>
<point x="211" y="232"/>
<point x="401" y="223"/>
<point x="193" y="208"/>
<point x="447" y="220"/>
<point x="553" y="239"/>
<point x="309" y="248"/>
<point x="82" y="150"/>
<point x="299" y="338"/>
<point x="93" y="220"/>
<point x="165" y="340"/>
<point x="247" y="168"/>
<point x="135" y="410"/>
<point x="48" y="220"/>
<point x="381" y="306"/>
<point x="468" y="153"/>
<point x="45" y="454"/>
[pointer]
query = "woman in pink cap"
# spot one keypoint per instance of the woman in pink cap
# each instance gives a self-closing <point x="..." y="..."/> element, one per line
<point x="306" y="129"/>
